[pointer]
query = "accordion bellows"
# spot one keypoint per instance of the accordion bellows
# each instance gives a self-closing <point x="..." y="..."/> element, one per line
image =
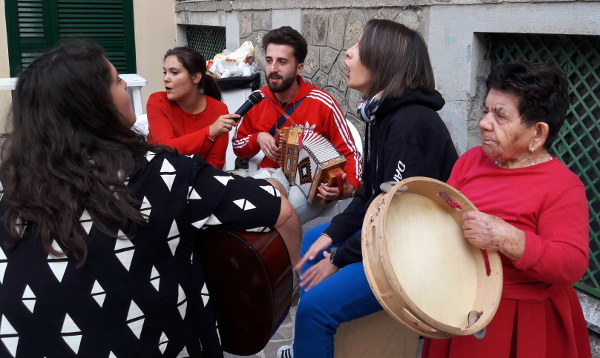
<point x="309" y="159"/>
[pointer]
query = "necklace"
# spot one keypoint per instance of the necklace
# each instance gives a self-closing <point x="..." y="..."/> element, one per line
<point x="532" y="163"/>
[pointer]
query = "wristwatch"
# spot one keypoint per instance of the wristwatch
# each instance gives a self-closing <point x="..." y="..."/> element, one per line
<point x="332" y="255"/>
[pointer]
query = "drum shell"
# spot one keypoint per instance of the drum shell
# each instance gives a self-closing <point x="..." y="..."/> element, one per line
<point x="382" y="271"/>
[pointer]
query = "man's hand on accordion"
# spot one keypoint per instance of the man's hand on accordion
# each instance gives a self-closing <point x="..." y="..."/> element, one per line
<point x="333" y="193"/>
<point x="268" y="145"/>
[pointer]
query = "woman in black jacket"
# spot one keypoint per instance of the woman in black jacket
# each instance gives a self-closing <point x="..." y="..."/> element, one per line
<point x="405" y="137"/>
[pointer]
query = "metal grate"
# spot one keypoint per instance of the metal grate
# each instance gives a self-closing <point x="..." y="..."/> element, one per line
<point x="208" y="40"/>
<point x="578" y="145"/>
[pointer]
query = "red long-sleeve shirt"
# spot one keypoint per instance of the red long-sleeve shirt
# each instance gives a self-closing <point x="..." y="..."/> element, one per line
<point x="548" y="202"/>
<point x="188" y="133"/>
<point x="318" y="110"/>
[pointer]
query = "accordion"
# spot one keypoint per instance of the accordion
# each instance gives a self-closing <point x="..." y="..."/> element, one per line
<point x="309" y="159"/>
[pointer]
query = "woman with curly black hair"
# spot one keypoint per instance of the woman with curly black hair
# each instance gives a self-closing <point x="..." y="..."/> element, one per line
<point x="97" y="247"/>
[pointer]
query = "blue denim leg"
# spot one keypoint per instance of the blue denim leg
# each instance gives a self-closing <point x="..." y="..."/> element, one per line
<point x="342" y="297"/>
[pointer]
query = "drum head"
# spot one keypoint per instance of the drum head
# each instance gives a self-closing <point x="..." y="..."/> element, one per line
<point x="431" y="258"/>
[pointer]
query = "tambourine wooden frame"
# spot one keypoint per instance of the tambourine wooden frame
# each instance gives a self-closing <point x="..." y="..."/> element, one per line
<point x="389" y="290"/>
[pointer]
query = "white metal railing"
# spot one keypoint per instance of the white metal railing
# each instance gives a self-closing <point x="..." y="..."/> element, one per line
<point x="134" y="81"/>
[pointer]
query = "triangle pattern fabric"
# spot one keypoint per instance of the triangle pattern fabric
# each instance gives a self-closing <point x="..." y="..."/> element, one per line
<point x="174" y="231"/>
<point x="11" y="343"/>
<point x="71" y="334"/>
<point x="98" y="293"/>
<point x="112" y="266"/>
<point x="200" y="223"/>
<point x="155" y="278"/>
<point x="3" y="265"/>
<point x="58" y="266"/>
<point x="168" y="179"/>
<point x="244" y="204"/>
<point x="29" y="299"/>
<point x="259" y="229"/>
<point x="173" y="238"/>
<point x="135" y="319"/>
<point x="224" y="179"/>
<point x="173" y="243"/>
<point x="204" y="294"/>
<point x="167" y="173"/>
<point x="271" y="190"/>
<point x="182" y="302"/>
<point x="124" y="250"/>
<point x="9" y="336"/>
<point x="163" y="342"/>
<point x="193" y="194"/>
<point x="150" y="156"/>
<point x="20" y="227"/>
<point x="167" y="167"/>
<point x="146" y="208"/>
<point x="86" y="221"/>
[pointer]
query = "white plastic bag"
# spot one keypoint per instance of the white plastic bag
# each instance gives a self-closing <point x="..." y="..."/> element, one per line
<point x="233" y="64"/>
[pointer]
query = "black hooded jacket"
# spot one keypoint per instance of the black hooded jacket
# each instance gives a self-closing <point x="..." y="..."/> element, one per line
<point x="407" y="138"/>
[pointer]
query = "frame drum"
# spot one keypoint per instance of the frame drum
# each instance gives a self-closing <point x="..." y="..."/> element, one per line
<point x="420" y="267"/>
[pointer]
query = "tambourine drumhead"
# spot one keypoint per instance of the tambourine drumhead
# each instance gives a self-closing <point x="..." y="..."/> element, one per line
<point x="421" y="268"/>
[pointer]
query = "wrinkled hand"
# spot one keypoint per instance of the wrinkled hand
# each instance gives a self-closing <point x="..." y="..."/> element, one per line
<point x="322" y="243"/>
<point x="489" y="232"/>
<point x="317" y="273"/>
<point x="268" y="145"/>
<point x="332" y="193"/>
<point x="223" y="124"/>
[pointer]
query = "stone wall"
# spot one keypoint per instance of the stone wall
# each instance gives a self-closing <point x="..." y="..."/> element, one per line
<point x="452" y="29"/>
<point x="328" y="32"/>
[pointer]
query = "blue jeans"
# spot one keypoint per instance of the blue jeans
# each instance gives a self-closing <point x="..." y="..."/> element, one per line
<point x="342" y="297"/>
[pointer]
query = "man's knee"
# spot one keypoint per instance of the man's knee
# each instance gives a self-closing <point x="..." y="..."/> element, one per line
<point x="276" y="177"/>
<point x="277" y="186"/>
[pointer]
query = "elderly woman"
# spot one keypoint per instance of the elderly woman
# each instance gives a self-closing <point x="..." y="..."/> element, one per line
<point x="97" y="241"/>
<point x="533" y="211"/>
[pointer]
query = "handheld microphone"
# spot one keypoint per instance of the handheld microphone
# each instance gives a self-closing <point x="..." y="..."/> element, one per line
<point x="253" y="99"/>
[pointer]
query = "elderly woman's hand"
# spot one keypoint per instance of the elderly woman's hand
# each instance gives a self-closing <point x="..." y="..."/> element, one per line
<point x="489" y="232"/>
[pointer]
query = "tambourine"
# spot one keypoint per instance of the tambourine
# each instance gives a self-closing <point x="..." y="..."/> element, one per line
<point x="421" y="268"/>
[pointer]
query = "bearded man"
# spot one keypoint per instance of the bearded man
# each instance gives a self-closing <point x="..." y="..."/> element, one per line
<point x="290" y="100"/>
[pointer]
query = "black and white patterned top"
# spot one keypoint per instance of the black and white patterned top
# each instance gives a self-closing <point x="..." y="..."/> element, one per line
<point x="142" y="295"/>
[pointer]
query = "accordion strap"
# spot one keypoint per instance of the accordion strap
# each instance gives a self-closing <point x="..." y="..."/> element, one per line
<point x="340" y="184"/>
<point x="285" y="115"/>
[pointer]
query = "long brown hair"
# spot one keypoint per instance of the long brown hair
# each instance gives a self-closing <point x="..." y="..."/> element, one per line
<point x="69" y="151"/>
<point x="397" y="58"/>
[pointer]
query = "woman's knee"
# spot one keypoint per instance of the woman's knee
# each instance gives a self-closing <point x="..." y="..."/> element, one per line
<point x="312" y="311"/>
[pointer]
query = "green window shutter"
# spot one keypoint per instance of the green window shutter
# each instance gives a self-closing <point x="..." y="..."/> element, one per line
<point x="26" y="31"/>
<point x="108" y="22"/>
<point x="35" y="26"/>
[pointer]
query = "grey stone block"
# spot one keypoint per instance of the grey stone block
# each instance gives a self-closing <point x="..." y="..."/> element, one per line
<point x="337" y="28"/>
<point x="319" y="29"/>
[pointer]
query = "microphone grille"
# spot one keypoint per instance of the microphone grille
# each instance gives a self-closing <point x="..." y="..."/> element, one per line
<point x="255" y="97"/>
